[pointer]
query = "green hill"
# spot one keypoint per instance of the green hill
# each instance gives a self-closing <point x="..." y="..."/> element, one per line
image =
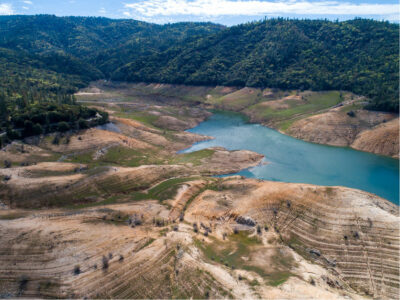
<point x="360" y="56"/>
<point x="45" y="56"/>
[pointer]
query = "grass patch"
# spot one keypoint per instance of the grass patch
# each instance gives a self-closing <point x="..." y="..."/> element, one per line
<point x="48" y="173"/>
<point x="238" y="100"/>
<point x="278" y="278"/>
<point x="353" y="107"/>
<point x="311" y="103"/>
<point x="142" y="117"/>
<point x="117" y="156"/>
<point x="147" y="243"/>
<point x="13" y="216"/>
<point x="230" y="252"/>
<point x="168" y="188"/>
<point x="193" y="157"/>
<point x="237" y="252"/>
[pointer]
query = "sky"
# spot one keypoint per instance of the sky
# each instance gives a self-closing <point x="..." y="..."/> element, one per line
<point x="227" y="12"/>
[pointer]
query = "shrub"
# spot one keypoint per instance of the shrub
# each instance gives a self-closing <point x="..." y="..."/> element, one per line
<point x="77" y="270"/>
<point x="63" y="126"/>
<point x="56" y="140"/>
<point x="37" y="129"/>
<point x="23" y="282"/>
<point x="83" y="124"/>
<point x="7" y="164"/>
<point x="104" y="262"/>
<point x="28" y="128"/>
<point x="351" y="114"/>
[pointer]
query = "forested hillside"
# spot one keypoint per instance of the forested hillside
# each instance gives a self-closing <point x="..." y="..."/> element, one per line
<point x="32" y="48"/>
<point x="360" y="56"/>
<point x="47" y="58"/>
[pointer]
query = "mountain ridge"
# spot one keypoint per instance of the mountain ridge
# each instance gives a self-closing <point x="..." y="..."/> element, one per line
<point x="359" y="55"/>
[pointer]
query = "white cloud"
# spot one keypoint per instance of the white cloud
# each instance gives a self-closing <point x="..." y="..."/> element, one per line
<point x="25" y="7"/>
<point x="102" y="10"/>
<point x="28" y="2"/>
<point x="152" y="8"/>
<point x="6" y="9"/>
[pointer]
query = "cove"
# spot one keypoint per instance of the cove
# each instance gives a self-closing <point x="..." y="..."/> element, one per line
<point x="292" y="160"/>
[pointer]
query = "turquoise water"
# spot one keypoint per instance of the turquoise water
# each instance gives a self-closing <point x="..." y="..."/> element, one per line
<point x="293" y="160"/>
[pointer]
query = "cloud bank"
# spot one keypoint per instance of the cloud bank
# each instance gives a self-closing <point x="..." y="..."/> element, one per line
<point x="6" y="9"/>
<point x="215" y="8"/>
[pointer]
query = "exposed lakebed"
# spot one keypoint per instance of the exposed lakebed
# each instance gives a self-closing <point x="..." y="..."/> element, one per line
<point x="292" y="160"/>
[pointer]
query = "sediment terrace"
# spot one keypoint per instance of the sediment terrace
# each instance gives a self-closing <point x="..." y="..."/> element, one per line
<point x="332" y="117"/>
<point x="250" y="239"/>
<point x="120" y="214"/>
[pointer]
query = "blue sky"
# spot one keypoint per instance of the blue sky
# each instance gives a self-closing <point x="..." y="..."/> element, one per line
<point x="228" y="12"/>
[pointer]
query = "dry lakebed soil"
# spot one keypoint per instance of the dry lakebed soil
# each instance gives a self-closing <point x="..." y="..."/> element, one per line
<point x="133" y="209"/>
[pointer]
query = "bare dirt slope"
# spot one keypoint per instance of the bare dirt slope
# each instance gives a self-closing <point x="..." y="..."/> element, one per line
<point x="121" y="214"/>
<point x="319" y="117"/>
<point x="382" y="139"/>
<point x="368" y="131"/>
<point x="292" y="241"/>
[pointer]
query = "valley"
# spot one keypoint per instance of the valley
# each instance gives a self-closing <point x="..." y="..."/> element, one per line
<point x="194" y="160"/>
<point x="119" y="211"/>
<point x="331" y="118"/>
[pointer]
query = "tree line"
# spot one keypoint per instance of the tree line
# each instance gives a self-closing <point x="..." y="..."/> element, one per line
<point x="46" y="59"/>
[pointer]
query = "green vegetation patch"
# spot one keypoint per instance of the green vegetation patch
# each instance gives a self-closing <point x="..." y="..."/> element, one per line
<point x="22" y="120"/>
<point x="193" y="157"/>
<point x="311" y="103"/>
<point x="239" y="251"/>
<point x="240" y="99"/>
<point x="13" y="215"/>
<point x="142" y="117"/>
<point x="147" y="243"/>
<point x="117" y="156"/>
<point x="168" y="189"/>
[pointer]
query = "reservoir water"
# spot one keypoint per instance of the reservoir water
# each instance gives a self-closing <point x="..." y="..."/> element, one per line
<point x="292" y="160"/>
